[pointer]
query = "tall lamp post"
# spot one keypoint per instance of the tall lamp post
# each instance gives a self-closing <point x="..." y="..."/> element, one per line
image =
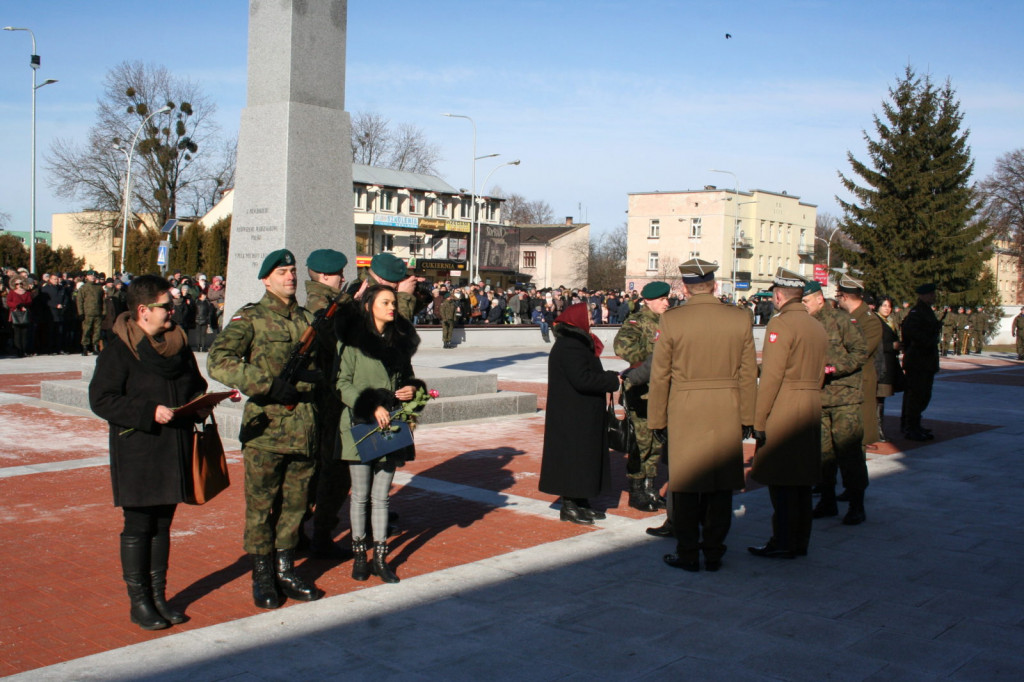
<point x="473" y="267"/>
<point x="128" y="181"/>
<point x="33" y="62"/>
<point x="828" y="253"/>
<point x="736" y="190"/>
<point x="476" y="211"/>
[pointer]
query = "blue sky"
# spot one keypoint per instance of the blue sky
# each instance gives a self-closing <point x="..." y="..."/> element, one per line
<point x="598" y="99"/>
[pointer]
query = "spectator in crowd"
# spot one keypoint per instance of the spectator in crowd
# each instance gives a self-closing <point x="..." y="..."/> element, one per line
<point x="19" y="314"/>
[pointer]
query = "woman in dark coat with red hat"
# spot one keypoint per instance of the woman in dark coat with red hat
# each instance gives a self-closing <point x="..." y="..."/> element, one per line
<point x="575" y="464"/>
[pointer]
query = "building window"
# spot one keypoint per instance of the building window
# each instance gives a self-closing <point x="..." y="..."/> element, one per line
<point x="695" y="254"/>
<point x="359" y="197"/>
<point x="467" y="208"/>
<point x="440" y="208"/>
<point x="760" y="265"/>
<point x="654" y="229"/>
<point x="416" y="245"/>
<point x="387" y="242"/>
<point x="695" y="227"/>
<point x="652" y="260"/>
<point x="789" y="230"/>
<point x="412" y="203"/>
<point x="386" y="201"/>
<point x="529" y="259"/>
<point x="762" y="230"/>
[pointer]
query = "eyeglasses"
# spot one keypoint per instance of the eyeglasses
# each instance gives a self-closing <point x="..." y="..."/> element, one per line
<point x="169" y="307"/>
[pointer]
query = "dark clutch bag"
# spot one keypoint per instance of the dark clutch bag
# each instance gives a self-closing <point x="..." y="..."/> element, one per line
<point x="376" y="445"/>
<point x="207" y="475"/>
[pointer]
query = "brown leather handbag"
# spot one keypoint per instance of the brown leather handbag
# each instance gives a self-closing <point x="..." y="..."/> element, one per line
<point x="207" y="476"/>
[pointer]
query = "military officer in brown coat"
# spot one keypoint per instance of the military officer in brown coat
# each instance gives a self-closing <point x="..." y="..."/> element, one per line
<point x="703" y="383"/>
<point x="787" y="417"/>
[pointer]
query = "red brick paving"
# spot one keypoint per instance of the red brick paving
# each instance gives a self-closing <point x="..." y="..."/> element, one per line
<point x="28" y="384"/>
<point x="60" y="582"/>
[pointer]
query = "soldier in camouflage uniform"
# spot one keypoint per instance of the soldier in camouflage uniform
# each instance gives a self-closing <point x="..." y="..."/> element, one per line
<point x="1017" y="331"/>
<point x="331" y="482"/>
<point x="980" y="329"/>
<point x="635" y="343"/>
<point x="447" y="315"/>
<point x="277" y="442"/>
<point x="948" y="329"/>
<point x="842" y="426"/>
<point x="90" y="307"/>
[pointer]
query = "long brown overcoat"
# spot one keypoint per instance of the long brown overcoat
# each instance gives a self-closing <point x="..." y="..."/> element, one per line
<point x="871" y="327"/>
<point x="703" y="384"/>
<point x="788" y="407"/>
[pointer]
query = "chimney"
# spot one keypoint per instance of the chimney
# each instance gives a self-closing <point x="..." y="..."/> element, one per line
<point x="568" y="220"/>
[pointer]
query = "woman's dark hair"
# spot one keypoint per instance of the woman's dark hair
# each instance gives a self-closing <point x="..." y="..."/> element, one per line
<point x="883" y="299"/>
<point x="144" y="290"/>
<point x="393" y="333"/>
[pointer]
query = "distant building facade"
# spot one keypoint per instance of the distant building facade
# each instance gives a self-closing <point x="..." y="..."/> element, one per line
<point x="554" y="255"/>
<point x="1005" y="268"/>
<point x="749" y="234"/>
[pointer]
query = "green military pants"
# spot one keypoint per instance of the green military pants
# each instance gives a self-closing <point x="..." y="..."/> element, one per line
<point x="648" y="449"/>
<point x="91" y="331"/>
<point x="842" y="430"/>
<point x="276" y="488"/>
<point x="446" y="331"/>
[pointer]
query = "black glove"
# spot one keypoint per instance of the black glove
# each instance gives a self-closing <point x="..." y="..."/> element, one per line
<point x="660" y="435"/>
<point x="310" y="376"/>
<point x="759" y="437"/>
<point x="283" y="393"/>
<point x="748" y="432"/>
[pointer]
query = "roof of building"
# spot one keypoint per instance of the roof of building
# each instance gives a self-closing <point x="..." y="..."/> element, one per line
<point x="371" y="175"/>
<point x="546" y="233"/>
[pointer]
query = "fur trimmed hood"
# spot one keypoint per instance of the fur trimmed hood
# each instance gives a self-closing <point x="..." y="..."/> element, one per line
<point x="353" y="330"/>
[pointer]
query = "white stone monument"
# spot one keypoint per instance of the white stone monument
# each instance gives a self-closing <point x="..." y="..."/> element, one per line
<point x="293" y="184"/>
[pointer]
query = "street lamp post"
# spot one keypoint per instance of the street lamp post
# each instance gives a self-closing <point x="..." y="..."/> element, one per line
<point x="735" y="257"/>
<point x="33" y="62"/>
<point x="828" y="253"/>
<point x="472" y="266"/>
<point x="128" y="181"/>
<point x="476" y="209"/>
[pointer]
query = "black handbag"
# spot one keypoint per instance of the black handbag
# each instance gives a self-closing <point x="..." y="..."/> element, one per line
<point x="621" y="435"/>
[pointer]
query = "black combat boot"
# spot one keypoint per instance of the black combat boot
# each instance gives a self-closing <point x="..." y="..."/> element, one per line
<point x="665" y="530"/>
<point x="360" y="569"/>
<point x="572" y="513"/>
<point x="292" y="585"/>
<point x="880" y="417"/>
<point x="827" y="504"/>
<point x="653" y="494"/>
<point x="135" y="569"/>
<point x="380" y="567"/>
<point x="855" y="515"/>
<point x="159" y="552"/>
<point x="584" y="506"/>
<point x="264" y="591"/>
<point x="638" y="498"/>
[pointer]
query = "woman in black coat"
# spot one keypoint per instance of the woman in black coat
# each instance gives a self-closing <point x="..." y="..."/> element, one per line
<point x="146" y="371"/>
<point x="575" y="465"/>
<point x="887" y="362"/>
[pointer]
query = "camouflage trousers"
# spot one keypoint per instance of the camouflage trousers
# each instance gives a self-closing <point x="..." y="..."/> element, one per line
<point x="648" y="449"/>
<point x="841" y="432"/>
<point x="276" y="488"/>
<point x="91" y="331"/>
<point x="446" y="331"/>
<point x="1020" y="347"/>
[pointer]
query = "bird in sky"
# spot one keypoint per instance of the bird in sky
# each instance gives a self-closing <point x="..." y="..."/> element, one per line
<point x="728" y="36"/>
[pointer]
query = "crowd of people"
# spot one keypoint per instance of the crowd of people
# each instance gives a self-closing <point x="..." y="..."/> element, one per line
<point x="62" y="313"/>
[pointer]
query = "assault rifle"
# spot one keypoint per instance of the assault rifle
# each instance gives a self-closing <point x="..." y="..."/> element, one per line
<point x="303" y="351"/>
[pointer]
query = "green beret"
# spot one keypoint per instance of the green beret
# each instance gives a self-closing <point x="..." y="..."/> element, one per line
<point x="90" y="273"/>
<point x="275" y="259"/>
<point x="653" y="290"/>
<point x="388" y="267"/>
<point x="926" y="288"/>
<point x="327" y="261"/>
<point x="812" y="287"/>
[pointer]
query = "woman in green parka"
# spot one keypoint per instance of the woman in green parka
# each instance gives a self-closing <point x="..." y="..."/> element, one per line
<point x="375" y="376"/>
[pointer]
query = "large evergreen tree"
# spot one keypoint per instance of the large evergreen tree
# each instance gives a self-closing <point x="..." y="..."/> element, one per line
<point x="912" y="218"/>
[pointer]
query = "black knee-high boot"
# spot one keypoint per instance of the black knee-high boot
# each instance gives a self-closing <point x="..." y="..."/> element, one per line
<point x="880" y="416"/>
<point x="159" y="553"/>
<point x="135" y="569"/>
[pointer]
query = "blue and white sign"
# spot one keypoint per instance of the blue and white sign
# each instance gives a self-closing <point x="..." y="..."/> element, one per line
<point x="163" y="251"/>
<point x="403" y="221"/>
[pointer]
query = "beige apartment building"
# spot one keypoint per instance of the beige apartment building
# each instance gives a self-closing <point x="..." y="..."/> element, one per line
<point x="554" y="255"/>
<point x="94" y="236"/>
<point x="1005" y="267"/>
<point x="748" y="234"/>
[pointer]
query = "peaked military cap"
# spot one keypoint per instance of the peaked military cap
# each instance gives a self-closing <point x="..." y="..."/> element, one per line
<point x="926" y="288"/>
<point x="388" y="267"/>
<point x="812" y="287"/>
<point x="697" y="270"/>
<point x="274" y="260"/>
<point x="653" y="290"/>
<point x="327" y="261"/>
<point x="849" y="285"/>
<point x="787" y="279"/>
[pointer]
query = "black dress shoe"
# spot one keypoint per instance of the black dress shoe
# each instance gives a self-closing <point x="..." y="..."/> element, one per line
<point x="665" y="530"/>
<point x="674" y="561"/>
<point x="573" y="514"/>
<point x="855" y="516"/>
<point x="594" y="514"/>
<point x="712" y="565"/>
<point x="919" y="436"/>
<point x="770" y="551"/>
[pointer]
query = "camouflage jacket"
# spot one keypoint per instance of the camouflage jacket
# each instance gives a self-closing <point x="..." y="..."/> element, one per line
<point x="847" y="352"/>
<point x="1017" y="326"/>
<point x="447" y="310"/>
<point x="90" y="300"/>
<point x="635" y="340"/>
<point x="318" y="297"/>
<point x="248" y="354"/>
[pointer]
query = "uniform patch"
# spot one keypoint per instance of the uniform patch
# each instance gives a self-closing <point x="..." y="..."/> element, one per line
<point x="631" y="321"/>
<point x="853" y="319"/>
<point x="657" y="334"/>
<point x="773" y="337"/>
<point x="236" y="317"/>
